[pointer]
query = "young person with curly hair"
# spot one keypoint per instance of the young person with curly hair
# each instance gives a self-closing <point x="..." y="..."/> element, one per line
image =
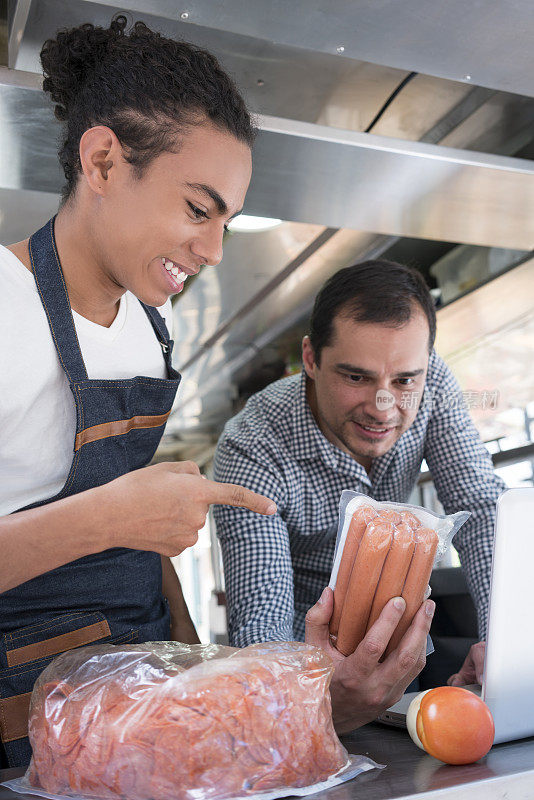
<point x="157" y="160"/>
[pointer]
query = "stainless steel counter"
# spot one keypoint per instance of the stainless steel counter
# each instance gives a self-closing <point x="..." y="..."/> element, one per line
<point x="507" y="772"/>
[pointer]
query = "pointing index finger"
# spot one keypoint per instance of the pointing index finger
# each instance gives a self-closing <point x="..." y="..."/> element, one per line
<point x="232" y="494"/>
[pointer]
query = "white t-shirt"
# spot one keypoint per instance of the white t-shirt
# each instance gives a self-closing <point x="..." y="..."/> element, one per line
<point x="37" y="410"/>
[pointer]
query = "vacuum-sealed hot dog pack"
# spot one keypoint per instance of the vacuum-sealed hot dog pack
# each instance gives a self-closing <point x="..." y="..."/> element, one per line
<point x="383" y="550"/>
<point x="169" y="721"/>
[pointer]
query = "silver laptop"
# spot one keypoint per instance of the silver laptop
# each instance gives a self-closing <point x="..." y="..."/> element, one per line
<point x="508" y="683"/>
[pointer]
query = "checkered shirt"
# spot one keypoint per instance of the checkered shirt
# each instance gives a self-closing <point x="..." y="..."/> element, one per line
<point x="276" y="567"/>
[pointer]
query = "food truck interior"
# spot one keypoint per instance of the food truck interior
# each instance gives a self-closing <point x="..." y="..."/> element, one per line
<point x="386" y="129"/>
<point x="379" y="136"/>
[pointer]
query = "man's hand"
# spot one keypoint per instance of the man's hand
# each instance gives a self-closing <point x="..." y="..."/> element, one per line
<point x="362" y="687"/>
<point x="472" y="670"/>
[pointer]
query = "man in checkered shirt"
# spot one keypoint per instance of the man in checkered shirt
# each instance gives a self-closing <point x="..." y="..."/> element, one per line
<point x="374" y="400"/>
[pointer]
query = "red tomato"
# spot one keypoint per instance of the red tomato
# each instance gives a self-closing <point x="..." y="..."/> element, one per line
<point x="451" y="724"/>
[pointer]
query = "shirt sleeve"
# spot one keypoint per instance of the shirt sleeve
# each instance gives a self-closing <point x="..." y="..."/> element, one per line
<point x="255" y="550"/>
<point x="465" y="480"/>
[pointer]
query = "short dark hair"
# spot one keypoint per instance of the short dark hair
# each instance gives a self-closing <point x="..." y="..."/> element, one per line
<point x="135" y="83"/>
<point x="373" y="291"/>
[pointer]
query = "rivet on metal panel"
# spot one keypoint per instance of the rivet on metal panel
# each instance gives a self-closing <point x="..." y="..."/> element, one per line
<point x="184" y="15"/>
<point x="340" y="49"/>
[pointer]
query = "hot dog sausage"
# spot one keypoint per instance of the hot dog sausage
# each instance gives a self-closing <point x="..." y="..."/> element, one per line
<point x="395" y="569"/>
<point x="361" y="590"/>
<point x="416" y="581"/>
<point x="361" y="517"/>
<point x="410" y="519"/>
<point x="388" y="515"/>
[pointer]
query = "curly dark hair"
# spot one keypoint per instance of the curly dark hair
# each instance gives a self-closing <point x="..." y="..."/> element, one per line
<point x="135" y="82"/>
<point x="372" y="291"/>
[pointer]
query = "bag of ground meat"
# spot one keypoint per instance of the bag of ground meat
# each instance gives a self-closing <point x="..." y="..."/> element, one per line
<point x="169" y="721"/>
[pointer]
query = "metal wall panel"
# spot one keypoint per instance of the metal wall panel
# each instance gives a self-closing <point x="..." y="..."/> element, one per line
<point x="320" y="175"/>
<point x="484" y="42"/>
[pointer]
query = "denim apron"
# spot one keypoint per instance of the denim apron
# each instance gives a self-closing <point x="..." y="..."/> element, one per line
<point x="114" y="596"/>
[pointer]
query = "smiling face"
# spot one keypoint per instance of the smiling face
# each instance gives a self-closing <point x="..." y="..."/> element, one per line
<point x="152" y="232"/>
<point x="361" y="394"/>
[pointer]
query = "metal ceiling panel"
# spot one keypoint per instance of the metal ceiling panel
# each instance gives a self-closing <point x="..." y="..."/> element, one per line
<point x="321" y="175"/>
<point x="504" y="124"/>
<point x="486" y="43"/>
<point x="340" y="92"/>
<point x="270" y="76"/>
<point x="346" y="179"/>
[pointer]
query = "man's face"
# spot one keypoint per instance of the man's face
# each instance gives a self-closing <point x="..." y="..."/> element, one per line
<point x="361" y="394"/>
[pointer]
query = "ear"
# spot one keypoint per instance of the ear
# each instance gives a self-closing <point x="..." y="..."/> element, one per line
<point x="100" y="153"/>
<point x="308" y="358"/>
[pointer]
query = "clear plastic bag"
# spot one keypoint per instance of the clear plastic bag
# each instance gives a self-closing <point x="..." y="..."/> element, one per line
<point x="170" y="721"/>
<point x="383" y="550"/>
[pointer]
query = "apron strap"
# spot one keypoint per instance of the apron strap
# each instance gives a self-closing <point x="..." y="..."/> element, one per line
<point x="158" y="323"/>
<point x="162" y="334"/>
<point x="52" y="290"/>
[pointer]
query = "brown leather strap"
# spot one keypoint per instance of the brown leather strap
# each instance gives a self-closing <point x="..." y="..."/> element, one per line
<point x="58" y="644"/>
<point x="14" y="713"/>
<point x="118" y="428"/>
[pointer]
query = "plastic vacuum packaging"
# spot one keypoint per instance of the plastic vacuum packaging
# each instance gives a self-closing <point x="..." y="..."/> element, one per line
<point x="170" y="721"/>
<point x="383" y="550"/>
